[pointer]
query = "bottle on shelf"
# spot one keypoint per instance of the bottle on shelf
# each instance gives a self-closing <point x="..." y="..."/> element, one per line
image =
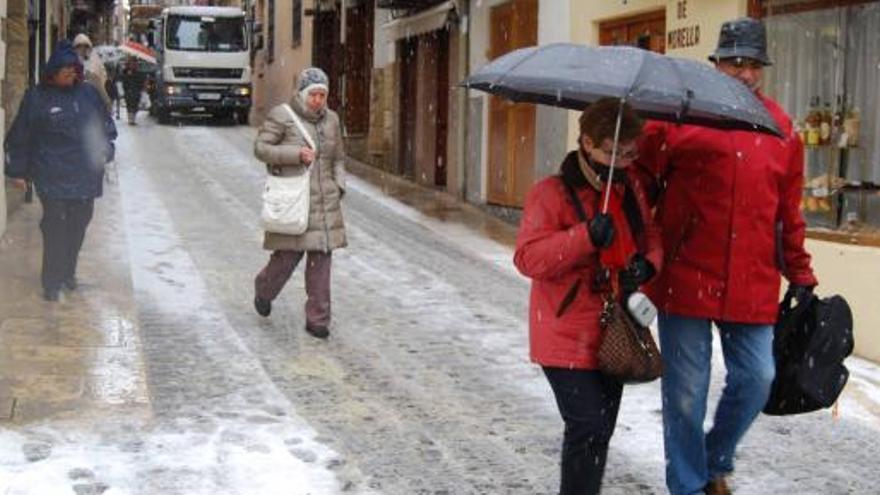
<point x="851" y="124"/>
<point x="825" y="121"/>
<point x="812" y="122"/>
<point x="838" y="134"/>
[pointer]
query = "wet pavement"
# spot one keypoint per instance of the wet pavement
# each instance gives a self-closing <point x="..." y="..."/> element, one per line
<point x="79" y="357"/>
<point x="158" y="377"/>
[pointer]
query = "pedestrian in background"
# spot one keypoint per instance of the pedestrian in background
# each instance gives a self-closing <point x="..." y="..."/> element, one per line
<point x="283" y="149"/>
<point x="567" y="258"/>
<point x="730" y="218"/>
<point x="93" y="67"/>
<point x="133" y="83"/>
<point x="112" y="88"/>
<point x="60" y="139"/>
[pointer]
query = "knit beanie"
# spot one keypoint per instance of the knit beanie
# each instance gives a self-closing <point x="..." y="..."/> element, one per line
<point x="311" y="79"/>
<point x="63" y="56"/>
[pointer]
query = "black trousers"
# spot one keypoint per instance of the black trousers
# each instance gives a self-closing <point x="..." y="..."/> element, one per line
<point x="588" y="401"/>
<point x="64" y="228"/>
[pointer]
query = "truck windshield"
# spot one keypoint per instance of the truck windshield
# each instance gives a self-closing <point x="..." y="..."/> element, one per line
<point x="206" y="34"/>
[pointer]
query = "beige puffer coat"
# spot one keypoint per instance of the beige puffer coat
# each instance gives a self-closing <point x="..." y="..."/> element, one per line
<point x="278" y="145"/>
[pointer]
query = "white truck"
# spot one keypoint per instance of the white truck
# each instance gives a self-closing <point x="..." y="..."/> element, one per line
<point x="204" y="63"/>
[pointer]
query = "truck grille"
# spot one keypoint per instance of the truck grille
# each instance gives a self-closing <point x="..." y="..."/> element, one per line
<point x="205" y="72"/>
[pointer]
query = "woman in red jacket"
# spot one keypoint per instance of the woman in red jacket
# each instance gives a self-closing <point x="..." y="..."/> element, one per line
<point x="573" y="265"/>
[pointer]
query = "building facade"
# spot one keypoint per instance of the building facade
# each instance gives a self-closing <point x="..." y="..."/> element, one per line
<point x="30" y="30"/>
<point x="417" y="116"/>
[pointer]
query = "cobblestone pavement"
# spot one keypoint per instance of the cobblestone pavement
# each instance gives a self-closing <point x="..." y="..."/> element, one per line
<point x="424" y="386"/>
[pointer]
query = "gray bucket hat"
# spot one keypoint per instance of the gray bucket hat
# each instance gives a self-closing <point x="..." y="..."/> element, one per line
<point x="744" y="37"/>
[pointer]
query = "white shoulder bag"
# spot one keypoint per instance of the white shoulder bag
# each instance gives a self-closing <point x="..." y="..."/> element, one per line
<point x="286" y="199"/>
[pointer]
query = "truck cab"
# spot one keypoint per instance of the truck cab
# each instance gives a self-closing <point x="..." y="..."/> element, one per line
<point x="204" y="63"/>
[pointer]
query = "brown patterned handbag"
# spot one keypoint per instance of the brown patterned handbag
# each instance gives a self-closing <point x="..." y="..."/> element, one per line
<point x="628" y="351"/>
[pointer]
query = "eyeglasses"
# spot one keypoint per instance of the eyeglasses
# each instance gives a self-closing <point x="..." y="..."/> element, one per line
<point x="627" y="155"/>
<point x="741" y="63"/>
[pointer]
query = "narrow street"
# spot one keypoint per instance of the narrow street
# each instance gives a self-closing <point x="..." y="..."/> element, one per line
<point x="424" y="386"/>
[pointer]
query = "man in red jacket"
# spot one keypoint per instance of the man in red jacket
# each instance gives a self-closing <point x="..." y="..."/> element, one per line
<point x="729" y="215"/>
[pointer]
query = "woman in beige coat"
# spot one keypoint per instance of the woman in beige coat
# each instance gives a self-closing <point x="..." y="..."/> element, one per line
<point x="281" y="146"/>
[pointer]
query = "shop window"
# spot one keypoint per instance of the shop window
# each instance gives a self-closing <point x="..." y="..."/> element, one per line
<point x="297" y="24"/>
<point x="826" y="75"/>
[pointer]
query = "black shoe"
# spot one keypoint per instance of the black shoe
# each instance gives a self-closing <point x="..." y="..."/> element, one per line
<point x="70" y="284"/>
<point x="317" y="331"/>
<point x="51" y="295"/>
<point x="263" y="307"/>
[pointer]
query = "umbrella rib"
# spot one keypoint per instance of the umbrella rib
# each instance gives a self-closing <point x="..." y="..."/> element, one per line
<point x="637" y="78"/>
<point x="688" y="93"/>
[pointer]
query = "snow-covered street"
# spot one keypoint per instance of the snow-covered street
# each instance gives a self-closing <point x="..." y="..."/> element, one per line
<point x="424" y="386"/>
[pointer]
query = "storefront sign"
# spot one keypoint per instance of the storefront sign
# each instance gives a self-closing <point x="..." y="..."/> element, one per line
<point x="683" y="37"/>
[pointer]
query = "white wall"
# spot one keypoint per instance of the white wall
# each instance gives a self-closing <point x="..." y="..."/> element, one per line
<point x="384" y="50"/>
<point x="853" y="272"/>
<point x="551" y="29"/>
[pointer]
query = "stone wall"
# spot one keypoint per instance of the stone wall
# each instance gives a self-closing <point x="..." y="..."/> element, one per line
<point x="383" y="107"/>
<point x="3" y="34"/>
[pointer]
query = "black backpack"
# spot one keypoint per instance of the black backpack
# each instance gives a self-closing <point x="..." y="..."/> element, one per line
<point x="811" y="341"/>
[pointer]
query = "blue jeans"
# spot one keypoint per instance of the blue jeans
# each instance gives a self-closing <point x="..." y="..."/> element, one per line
<point x="694" y="457"/>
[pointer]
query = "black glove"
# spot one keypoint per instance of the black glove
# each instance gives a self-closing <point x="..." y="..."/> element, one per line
<point x="601" y="230"/>
<point x="637" y="272"/>
<point x="800" y="293"/>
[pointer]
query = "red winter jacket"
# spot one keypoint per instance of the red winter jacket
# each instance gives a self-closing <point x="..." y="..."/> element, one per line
<point x="553" y="248"/>
<point x="725" y="194"/>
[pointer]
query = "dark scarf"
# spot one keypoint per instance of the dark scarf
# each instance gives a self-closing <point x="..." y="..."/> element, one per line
<point x="571" y="172"/>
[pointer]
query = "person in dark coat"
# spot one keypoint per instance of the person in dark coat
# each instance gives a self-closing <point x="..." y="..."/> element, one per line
<point x="112" y="88"/>
<point x="133" y="82"/>
<point x="731" y="224"/>
<point x="567" y="260"/>
<point x="60" y="139"/>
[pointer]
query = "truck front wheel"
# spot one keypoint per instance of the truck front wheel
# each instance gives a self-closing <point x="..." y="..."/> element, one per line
<point x="241" y="116"/>
<point x="163" y="115"/>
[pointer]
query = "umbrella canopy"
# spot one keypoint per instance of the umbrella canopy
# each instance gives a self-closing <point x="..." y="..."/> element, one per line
<point x="138" y="50"/>
<point x="658" y="87"/>
<point x="109" y="53"/>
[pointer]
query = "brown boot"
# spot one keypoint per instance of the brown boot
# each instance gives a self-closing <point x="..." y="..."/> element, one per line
<point x="718" y="486"/>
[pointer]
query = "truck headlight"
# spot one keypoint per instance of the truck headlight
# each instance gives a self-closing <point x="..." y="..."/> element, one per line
<point x="243" y="91"/>
<point x="173" y="90"/>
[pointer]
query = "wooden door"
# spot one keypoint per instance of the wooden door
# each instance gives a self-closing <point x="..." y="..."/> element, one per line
<point x="511" y="126"/>
<point x="442" y="114"/>
<point x="358" y="55"/>
<point x="646" y="31"/>
<point x="326" y="48"/>
<point x="408" y="51"/>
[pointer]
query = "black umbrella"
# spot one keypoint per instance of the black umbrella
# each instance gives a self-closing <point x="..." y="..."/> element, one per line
<point x="571" y="76"/>
<point x="656" y="86"/>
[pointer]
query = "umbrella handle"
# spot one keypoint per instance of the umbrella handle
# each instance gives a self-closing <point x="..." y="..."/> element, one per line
<point x="613" y="156"/>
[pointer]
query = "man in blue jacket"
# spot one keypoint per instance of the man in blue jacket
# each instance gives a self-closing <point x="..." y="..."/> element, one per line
<point x="60" y="139"/>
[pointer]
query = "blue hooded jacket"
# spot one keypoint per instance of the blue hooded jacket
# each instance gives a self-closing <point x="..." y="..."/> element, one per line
<point x="61" y="137"/>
